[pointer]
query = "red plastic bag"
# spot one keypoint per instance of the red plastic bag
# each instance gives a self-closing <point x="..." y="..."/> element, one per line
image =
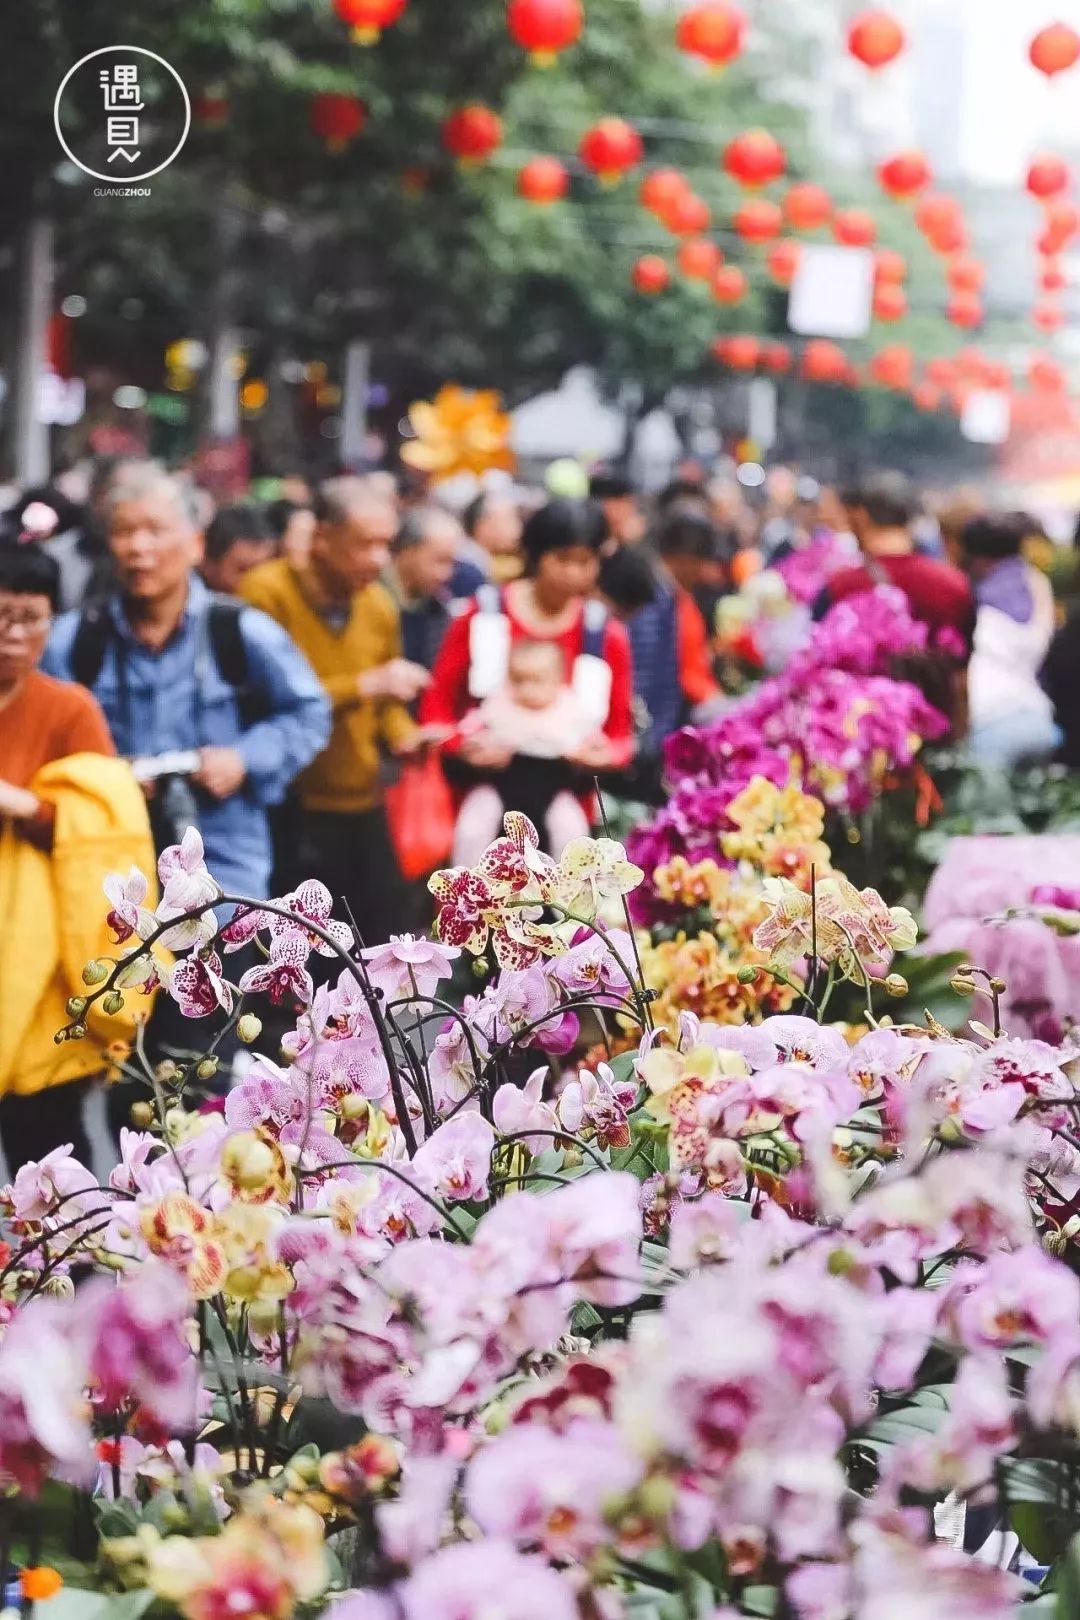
<point x="420" y="811"/>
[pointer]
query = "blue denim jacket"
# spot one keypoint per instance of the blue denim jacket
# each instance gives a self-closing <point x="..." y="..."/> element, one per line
<point x="175" y="698"/>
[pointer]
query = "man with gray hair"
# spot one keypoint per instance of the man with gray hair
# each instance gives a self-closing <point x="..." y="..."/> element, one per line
<point x="422" y="559"/>
<point x="209" y="697"/>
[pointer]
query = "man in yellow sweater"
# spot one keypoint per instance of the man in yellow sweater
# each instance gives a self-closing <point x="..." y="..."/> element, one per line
<point x="347" y="625"/>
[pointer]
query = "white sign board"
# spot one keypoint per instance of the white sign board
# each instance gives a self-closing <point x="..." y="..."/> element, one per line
<point x="833" y="292"/>
<point x="986" y="416"/>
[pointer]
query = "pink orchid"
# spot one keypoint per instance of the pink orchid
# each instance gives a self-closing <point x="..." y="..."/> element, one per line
<point x="283" y="976"/>
<point x="603" y="1103"/>
<point x="408" y="966"/>
<point x="595" y="1234"/>
<point x="57" y="1179"/>
<point x="411" y="1527"/>
<point x="312" y="902"/>
<point x="589" y="967"/>
<point x="1026" y="1297"/>
<point x="43" y="1414"/>
<point x="515" y="866"/>
<point x="198" y="987"/>
<point x="139" y="1346"/>
<point x="128" y="915"/>
<point x="521" y="1112"/>
<point x="474" y="1580"/>
<point x="185" y="881"/>
<point x="464" y="905"/>
<point x="455" y="1161"/>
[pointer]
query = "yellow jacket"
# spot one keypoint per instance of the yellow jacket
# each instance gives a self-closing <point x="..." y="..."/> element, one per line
<point x="52" y="921"/>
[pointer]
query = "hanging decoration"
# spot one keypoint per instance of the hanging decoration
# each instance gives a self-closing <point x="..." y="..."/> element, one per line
<point x="699" y="259"/>
<point x="368" y="18"/>
<point x="893" y="367"/>
<point x="854" y="227"/>
<point x="740" y="353"/>
<point x="1052" y="278"/>
<point x="890" y="267"/>
<point x="472" y="133"/>
<point x="807" y="207"/>
<point x="1047" y="177"/>
<point x="941" y="371"/>
<point x="1055" y="49"/>
<point x="1048" y="316"/>
<point x="650" y="275"/>
<point x="904" y="175"/>
<point x="926" y="396"/>
<point x="543" y="180"/>
<point x="1046" y="374"/>
<point x="688" y="215"/>
<point x="757" y="220"/>
<point x="783" y="262"/>
<point x="1062" y="223"/>
<point x="714" y="31"/>
<point x="776" y="357"/>
<point x="935" y="212"/>
<point x="875" y="39"/>
<point x="545" y="27"/>
<point x="754" y="159"/>
<point x="824" y="361"/>
<point x="965" y="274"/>
<point x="965" y="309"/>
<point x="459" y="431"/>
<point x="729" y="285"/>
<point x="890" y="302"/>
<point x="337" y="119"/>
<point x="611" y="149"/>
<point x="661" y="189"/>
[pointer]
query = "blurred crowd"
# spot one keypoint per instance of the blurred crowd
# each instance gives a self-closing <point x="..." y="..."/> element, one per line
<point x="352" y="683"/>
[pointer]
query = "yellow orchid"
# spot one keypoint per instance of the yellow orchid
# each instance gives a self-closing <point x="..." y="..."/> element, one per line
<point x="459" y="431"/>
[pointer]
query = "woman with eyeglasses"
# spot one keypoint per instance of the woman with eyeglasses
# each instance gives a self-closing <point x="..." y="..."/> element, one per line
<point x="70" y="813"/>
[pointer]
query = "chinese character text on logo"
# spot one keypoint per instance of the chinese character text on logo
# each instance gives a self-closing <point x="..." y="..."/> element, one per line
<point x="120" y="85"/>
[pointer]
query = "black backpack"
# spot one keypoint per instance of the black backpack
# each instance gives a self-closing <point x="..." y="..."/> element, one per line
<point x="224" y="639"/>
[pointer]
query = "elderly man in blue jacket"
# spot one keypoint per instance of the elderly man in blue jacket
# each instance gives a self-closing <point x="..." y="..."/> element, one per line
<point x="211" y="698"/>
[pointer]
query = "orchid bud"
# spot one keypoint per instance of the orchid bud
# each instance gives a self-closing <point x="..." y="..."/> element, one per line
<point x="142" y="1116"/>
<point x="1055" y="1243"/>
<point x="998" y="986"/>
<point x="77" y="1032"/>
<point x="207" y="1069"/>
<point x="76" y="1006"/>
<point x="962" y="983"/>
<point x="747" y="974"/>
<point x="248" y="1162"/>
<point x="112" y="1003"/>
<point x="573" y="1157"/>
<point x="97" y="971"/>
<point x="248" y="1028"/>
<point x="481" y="967"/>
<point x="896" y="985"/>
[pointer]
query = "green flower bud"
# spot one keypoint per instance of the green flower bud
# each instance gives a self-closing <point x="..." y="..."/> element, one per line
<point x="481" y="967"/>
<point x="77" y="1032"/>
<point x="962" y="984"/>
<point x="207" y="1069"/>
<point x="998" y="986"/>
<point x="248" y="1028"/>
<point x="142" y="1116"/>
<point x="896" y="985"/>
<point x="97" y="971"/>
<point x="76" y="1006"/>
<point x="747" y="975"/>
<point x="112" y="1002"/>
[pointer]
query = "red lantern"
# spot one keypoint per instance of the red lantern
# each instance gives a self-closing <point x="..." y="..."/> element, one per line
<point x="1053" y="278"/>
<point x="1055" y="49"/>
<point x="776" y="357"/>
<point x="1047" y="177"/>
<point x="714" y="31"/>
<point x="650" y="274"/>
<point x="904" y="175"/>
<point x="965" y="309"/>
<point x="210" y="110"/>
<point x="936" y="213"/>
<point x="741" y="353"/>
<point x="688" y="215"/>
<point x="965" y="274"/>
<point x="472" y="133"/>
<point x="1062" y="224"/>
<point x="661" y="189"/>
<point x="754" y="158"/>
<point x="890" y="302"/>
<point x="807" y="207"/>
<point x="757" y="220"/>
<point x="941" y="371"/>
<point x="1047" y="316"/>
<point x="973" y="365"/>
<point x="783" y="262"/>
<point x="337" y="119"/>
<point x="890" y="267"/>
<point x="854" y="227"/>
<point x="824" y="361"/>
<point x="892" y="366"/>
<point x="544" y="27"/>
<point x="368" y="18"/>
<point x="926" y="397"/>
<point x="700" y="259"/>
<point x="611" y="149"/>
<point x="998" y="375"/>
<point x="875" y="39"/>
<point x="951" y="239"/>
<point x="729" y="285"/>
<point x="543" y="180"/>
<point x="1046" y="374"/>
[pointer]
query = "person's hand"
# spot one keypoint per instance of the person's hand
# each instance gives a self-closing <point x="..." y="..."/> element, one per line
<point x="16" y="802"/>
<point x="423" y="738"/>
<point x="221" y="771"/>
<point x="398" y="680"/>
<point x="593" y="754"/>
<point x="485" y="754"/>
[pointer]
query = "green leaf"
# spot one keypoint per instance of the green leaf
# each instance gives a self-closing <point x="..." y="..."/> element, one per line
<point x="1043" y="1532"/>
<point x="897" y="1428"/>
<point x="71" y="1603"/>
<point x="1068" y="1583"/>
